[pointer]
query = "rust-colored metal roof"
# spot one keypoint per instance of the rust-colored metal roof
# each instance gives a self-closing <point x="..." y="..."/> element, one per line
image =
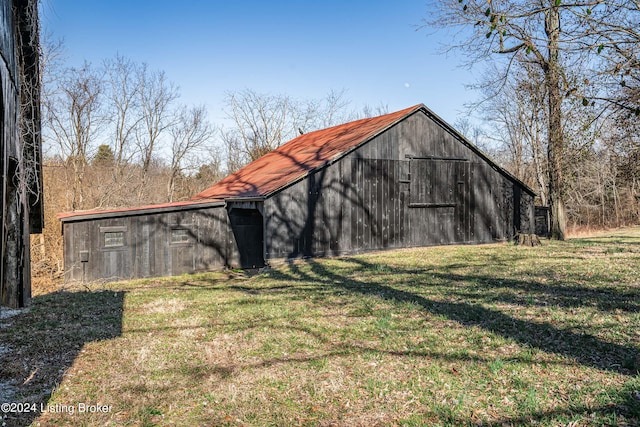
<point x="295" y="159"/>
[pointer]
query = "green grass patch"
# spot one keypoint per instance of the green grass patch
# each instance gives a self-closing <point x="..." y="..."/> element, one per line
<point x="459" y="335"/>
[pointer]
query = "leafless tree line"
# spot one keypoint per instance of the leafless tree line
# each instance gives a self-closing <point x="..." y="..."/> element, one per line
<point x="262" y="122"/>
<point x="128" y="120"/>
<point x="127" y="117"/>
<point x="601" y="161"/>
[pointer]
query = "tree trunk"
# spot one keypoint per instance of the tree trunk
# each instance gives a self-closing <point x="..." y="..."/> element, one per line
<point x="171" y="186"/>
<point x="556" y="137"/>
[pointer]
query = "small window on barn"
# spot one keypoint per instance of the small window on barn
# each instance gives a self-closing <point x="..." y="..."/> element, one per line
<point x="113" y="239"/>
<point x="180" y="235"/>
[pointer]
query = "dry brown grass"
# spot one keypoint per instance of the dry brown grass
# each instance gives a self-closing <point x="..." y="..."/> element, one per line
<point x="574" y="232"/>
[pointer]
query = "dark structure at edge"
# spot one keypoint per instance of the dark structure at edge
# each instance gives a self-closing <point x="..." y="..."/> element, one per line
<point x="21" y="189"/>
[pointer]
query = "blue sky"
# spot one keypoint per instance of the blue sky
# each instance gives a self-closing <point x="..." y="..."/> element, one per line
<point x="372" y="49"/>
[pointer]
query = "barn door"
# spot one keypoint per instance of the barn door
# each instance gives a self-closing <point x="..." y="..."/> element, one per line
<point x="440" y="211"/>
<point x="248" y="230"/>
<point x="464" y="206"/>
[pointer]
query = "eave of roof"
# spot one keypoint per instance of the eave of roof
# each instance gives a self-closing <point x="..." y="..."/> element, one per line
<point x="140" y="210"/>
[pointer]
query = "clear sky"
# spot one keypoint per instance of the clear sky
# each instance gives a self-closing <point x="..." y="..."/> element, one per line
<point x="372" y="49"/>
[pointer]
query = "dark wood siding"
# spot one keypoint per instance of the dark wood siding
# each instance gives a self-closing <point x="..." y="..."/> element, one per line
<point x="415" y="184"/>
<point x="8" y="42"/>
<point x="149" y="250"/>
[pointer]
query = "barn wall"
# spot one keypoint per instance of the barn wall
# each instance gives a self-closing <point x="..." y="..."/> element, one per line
<point x="163" y="244"/>
<point x="18" y="72"/>
<point x="8" y="137"/>
<point x="7" y="40"/>
<point x="413" y="185"/>
<point x="8" y="132"/>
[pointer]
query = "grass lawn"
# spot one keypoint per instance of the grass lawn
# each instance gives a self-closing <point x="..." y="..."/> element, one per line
<point x="460" y="335"/>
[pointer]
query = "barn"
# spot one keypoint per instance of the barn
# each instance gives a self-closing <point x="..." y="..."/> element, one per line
<point x="404" y="179"/>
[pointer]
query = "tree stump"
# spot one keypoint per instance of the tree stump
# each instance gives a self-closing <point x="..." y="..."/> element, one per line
<point x="527" y="240"/>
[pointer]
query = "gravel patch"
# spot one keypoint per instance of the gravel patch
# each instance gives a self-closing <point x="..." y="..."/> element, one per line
<point x="8" y="313"/>
<point x="5" y="312"/>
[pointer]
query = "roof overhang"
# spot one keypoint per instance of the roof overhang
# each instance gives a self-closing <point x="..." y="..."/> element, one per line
<point x="144" y="210"/>
<point x="245" y="199"/>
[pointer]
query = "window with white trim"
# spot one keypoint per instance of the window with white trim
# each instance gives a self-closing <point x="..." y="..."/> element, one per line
<point x="180" y="235"/>
<point x="113" y="239"/>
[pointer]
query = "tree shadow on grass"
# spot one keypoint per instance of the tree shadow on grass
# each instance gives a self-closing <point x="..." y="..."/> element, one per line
<point x="622" y="409"/>
<point x="584" y="348"/>
<point x="532" y="292"/>
<point x="606" y="241"/>
<point x="42" y="342"/>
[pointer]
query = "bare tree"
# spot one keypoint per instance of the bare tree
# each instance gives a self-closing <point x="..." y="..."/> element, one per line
<point x="235" y="157"/>
<point x="124" y="97"/>
<point x="190" y="133"/>
<point x="614" y="31"/>
<point x="515" y="112"/>
<point x="156" y="97"/>
<point x="587" y="53"/>
<point x="472" y="131"/>
<point x="378" y="110"/>
<point x="313" y="114"/>
<point x="73" y="112"/>
<point x="262" y="122"/>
